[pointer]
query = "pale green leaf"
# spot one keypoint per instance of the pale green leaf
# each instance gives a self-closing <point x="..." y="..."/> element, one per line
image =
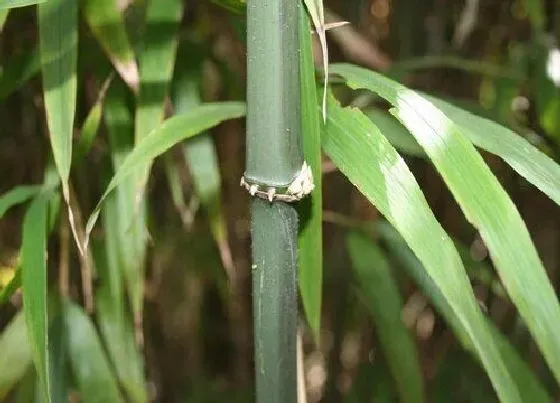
<point x="380" y="294"/>
<point x="361" y="152"/>
<point x="7" y="4"/>
<point x="15" y="354"/>
<point x="17" y="195"/>
<point x="517" y="152"/>
<point x="483" y="201"/>
<point x="11" y="287"/>
<point x="395" y="132"/>
<point x="169" y="133"/>
<point x="58" y="32"/>
<point x="107" y="25"/>
<point x="94" y="378"/>
<point x="34" y="283"/>
<point x="531" y="389"/>
<point x="310" y="239"/>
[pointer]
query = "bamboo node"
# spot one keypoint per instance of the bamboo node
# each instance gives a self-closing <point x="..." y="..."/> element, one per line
<point x="301" y="186"/>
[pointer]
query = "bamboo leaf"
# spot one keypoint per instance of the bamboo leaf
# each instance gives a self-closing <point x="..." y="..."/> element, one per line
<point x="58" y="26"/>
<point x="483" y="201"/>
<point x="169" y="133"/>
<point x="34" y="283"/>
<point x="21" y="68"/>
<point x="359" y="150"/>
<point x="310" y="242"/>
<point x="94" y="379"/>
<point x="7" y="4"/>
<point x="236" y="6"/>
<point x="106" y="22"/>
<point x="17" y="195"/>
<point x="381" y="296"/>
<point x="531" y="389"/>
<point x="396" y="133"/>
<point x="517" y="152"/>
<point x="15" y="354"/>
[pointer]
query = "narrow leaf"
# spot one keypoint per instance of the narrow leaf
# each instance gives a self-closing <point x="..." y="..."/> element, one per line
<point x="396" y="133"/>
<point x="310" y="241"/>
<point x="381" y="296"/>
<point x="15" y="354"/>
<point x="359" y="150"/>
<point x="94" y="379"/>
<point x="17" y="195"/>
<point x="34" y="283"/>
<point x="106" y="22"/>
<point x="171" y="132"/>
<point x="531" y="389"/>
<point x="9" y="290"/>
<point x="7" y="4"/>
<point x="517" y="152"/>
<point x="483" y="201"/>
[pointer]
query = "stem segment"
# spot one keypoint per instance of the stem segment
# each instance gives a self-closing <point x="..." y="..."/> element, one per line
<point x="274" y="158"/>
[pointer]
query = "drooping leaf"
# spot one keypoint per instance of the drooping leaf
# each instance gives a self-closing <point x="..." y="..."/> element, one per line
<point x="310" y="241"/>
<point x="34" y="283"/>
<point x="106" y="22"/>
<point x="517" y="152"/>
<point x="94" y="378"/>
<point x="483" y="201"/>
<point x="396" y="133"/>
<point x="169" y="133"/>
<point x="361" y="153"/>
<point x="7" y="4"/>
<point x="58" y="31"/>
<point x="15" y="354"/>
<point x="21" y="68"/>
<point x="17" y="195"/>
<point x="381" y="295"/>
<point x="531" y="389"/>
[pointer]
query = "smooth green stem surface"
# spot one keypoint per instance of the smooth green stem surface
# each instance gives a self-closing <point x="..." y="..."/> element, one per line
<point x="274" y="158"/>
<point x="274" y="232"/>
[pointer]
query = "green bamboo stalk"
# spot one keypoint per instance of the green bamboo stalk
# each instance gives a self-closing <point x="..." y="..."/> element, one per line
<point x="274" y="160"/>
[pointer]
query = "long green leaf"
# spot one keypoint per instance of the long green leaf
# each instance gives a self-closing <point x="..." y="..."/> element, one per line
<point x="169" y="133"/>
<point x="7" y="4"/>
<point x="34" y="283"/>
<point x="95" y="381"/>
<point x="310" y="241"/>
<point x="531" y="389"/>
<point x="483" y="201"/>
<point x="106" y="22"/>
<point x="17" y="195"/>
<point x="15" y="354"/>
<point x="115" y="324"/>
<point x="395" y="132"/>
<point x="381" y="296"/>
<point x="517" y="152"/>
<point x="361" y="152"/>
<point x="58" y="31"/>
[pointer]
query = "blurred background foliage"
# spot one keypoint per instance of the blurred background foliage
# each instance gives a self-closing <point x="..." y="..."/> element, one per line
<point x="161" y="310"/>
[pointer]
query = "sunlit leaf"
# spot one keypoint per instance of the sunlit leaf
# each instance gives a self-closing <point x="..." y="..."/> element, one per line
<point x="310" y="240"/>
<point x="34" y="283"/>
<point x="94" y="378"/>
<point x="171" y="132"/>
<point x="15" y="354"/>
<point x="531" y="389"/>
<point x="9" y="290"/>
<point x="361" y="153"/>
<point x="106" y="22"/>
<point x="483" y="201"/>
<point x="381" y="296"/>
